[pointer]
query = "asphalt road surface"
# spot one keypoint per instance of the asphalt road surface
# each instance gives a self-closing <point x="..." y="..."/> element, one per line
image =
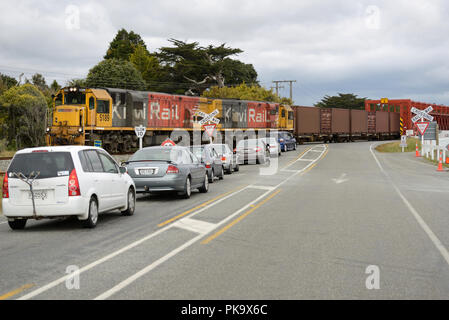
<point x="337" y="221"/>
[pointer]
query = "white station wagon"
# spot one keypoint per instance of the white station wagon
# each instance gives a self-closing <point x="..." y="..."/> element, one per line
<point x="53" y="182"/>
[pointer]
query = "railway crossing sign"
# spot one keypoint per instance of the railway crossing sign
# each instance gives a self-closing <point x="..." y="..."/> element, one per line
<point x="209" y="128"/>
<point x="208" y="117"/>
<point x="422" y="127"/>
<point x="422" y="114"/>
<point x="168" y="143"/>
<point x="140" y="133"/>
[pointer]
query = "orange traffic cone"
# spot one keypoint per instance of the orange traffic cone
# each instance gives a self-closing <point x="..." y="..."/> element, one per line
<point x="447" y="160"/>
<point x="440" y="163"/>
<point x="417" y="151"/>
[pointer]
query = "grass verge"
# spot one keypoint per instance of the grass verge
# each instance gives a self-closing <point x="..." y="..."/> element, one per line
<point x="7" y="153"/>
<point x="392" y="147"/>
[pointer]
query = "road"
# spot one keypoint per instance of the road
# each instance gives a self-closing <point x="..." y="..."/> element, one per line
<point x="312" y="230"/>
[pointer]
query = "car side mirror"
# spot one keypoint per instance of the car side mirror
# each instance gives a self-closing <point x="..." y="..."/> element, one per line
<point x="123" y="170"/>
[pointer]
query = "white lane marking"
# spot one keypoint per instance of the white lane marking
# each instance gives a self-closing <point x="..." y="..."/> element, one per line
<point x="150" y="267"/>
<point x="341" y="179"/>
<point x="194" y="225"/>
<point x="435" y="240"/>
<point x="261" y="187"/>
<point x="286" y="170"/>
<point x="114" y="254"/>
<point x="166" y="257"/>
<point x="304" y="160"/>
<point x="302" y="157"/>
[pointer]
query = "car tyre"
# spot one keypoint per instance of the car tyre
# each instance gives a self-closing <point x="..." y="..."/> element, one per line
<point x="205" y="187"/>
<point x="212" y="177"/>
<point x="229" y="171"/>
<point x="237" y="167"/>
<point x="221" y="176"/>
<point x="17" y="224"/>
<point x="92" y="219"/>
<point x="187" y="189"/>
<point x="131" y="203"/>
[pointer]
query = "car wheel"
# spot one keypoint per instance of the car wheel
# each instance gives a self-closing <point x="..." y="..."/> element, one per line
<point x="229" y="171"/>
<point x="131" y="203"/>
<point x="92" y="219"/>
<point x="205" y="187"/>
<point x="212" y="177"/>
<point x="237" y="168"/>
<point x="221" y="176"/>
<point x="187" y="189"/>
<point x="17" y="224"/>
<point x="294" y="146"/>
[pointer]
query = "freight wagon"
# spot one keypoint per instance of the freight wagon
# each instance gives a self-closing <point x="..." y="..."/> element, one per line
<point x="403" y="107"/>
<point x="338" y="125"/>
<point x="81" y="116"/>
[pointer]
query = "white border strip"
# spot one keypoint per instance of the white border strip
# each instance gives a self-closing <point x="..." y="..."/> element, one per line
<point x="435" y="240"/>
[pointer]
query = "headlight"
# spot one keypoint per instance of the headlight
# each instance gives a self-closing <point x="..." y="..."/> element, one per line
<point x="47" y="130"/>
<point x="80" y="130"/>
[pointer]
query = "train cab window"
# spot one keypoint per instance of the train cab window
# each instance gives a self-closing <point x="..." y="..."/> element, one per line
<point x="58" y="100"/>
<point x="283" y="113"/>
<point x="102" y="106"/>
<point x="290" y="115"/>
<point x="75" y="97"/>
<point x="91" y="103"/>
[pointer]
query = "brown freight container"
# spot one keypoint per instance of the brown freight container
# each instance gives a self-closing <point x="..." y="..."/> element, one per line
<point x="394" y="123"/>
<point x="359" y="121"/>
<point x="307" y="121"/>
<point x="382" y="122"/>
<point x="325" y="121"/>
<point x="372" y="122"/>
<point x="340" y="121"/>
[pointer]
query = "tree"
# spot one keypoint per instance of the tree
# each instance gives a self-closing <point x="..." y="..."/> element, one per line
<point x="345" y="101"/>
<point x="6" y="82"/>
<point x="192" y="68"/>
<point x="39" y="81"/>
<point x="147" y="65"/>
<point x="123" y="45"/>
<point x="245" y="92"/>
<point x="76" y="83"/>
<point x="25" y="108"/>
<point x="54" y="87"/>
<point x="115" y="73"/>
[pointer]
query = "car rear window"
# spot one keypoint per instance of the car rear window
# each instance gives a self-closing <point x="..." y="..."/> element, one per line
<point x="48" y="164"/>
<point x="157" y="154"/>
<point x="248" y="143"/>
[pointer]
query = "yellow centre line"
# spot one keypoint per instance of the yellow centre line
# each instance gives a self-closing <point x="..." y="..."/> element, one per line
<point x="215" y="235"/>
<point x="16" y="291"/>
<point x="200" y="206"/>
<point x="299" y="157"/>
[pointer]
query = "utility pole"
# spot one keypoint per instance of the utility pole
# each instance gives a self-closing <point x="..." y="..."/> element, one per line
<point x="276" y="82"/>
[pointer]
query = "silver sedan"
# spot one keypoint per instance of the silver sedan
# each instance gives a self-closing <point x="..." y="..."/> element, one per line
<point x="155" y="169"/>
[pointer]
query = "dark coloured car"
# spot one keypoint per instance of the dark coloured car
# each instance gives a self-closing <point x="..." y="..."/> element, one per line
<point x="211" y="159"/>
<point x="286" y="140"/>
<point x="155" y="169"/>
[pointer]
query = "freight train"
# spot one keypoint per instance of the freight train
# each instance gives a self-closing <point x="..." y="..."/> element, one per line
<point x="81" y="116"/>
<point x="339" y="125"/>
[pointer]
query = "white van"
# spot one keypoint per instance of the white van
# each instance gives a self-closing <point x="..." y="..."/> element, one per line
<point x="53" y="182"/>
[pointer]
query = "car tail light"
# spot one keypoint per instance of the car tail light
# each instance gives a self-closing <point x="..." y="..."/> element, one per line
<point x="258" y="149"/>
<point x="172" y="169"/>
<point x="223" y="158"/>
<point x="207" y="165"/>
<point x="5" y="187"/>
<point x="74" y="186"/>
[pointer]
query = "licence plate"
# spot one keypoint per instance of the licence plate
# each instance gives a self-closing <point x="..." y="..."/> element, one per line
<point x="147" y="171"/>
<point x="41" y="194"/>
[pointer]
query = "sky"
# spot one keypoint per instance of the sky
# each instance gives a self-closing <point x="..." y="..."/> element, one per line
<point x="375" y="49"/>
